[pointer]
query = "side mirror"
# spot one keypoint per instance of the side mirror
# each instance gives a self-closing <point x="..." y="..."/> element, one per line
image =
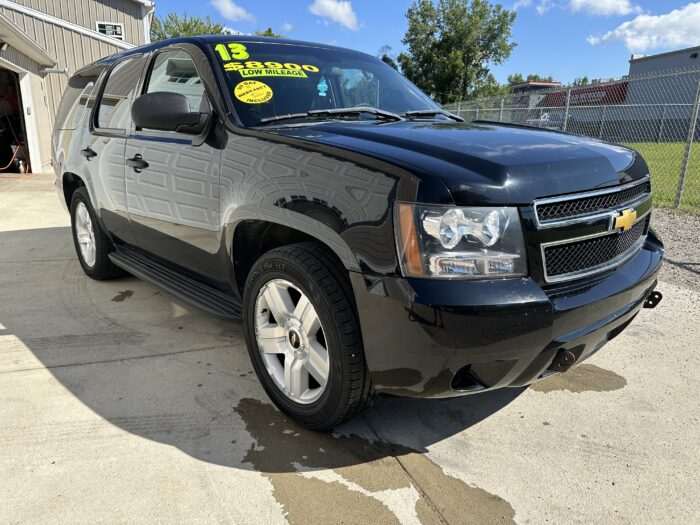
<point x="165" y="111"/>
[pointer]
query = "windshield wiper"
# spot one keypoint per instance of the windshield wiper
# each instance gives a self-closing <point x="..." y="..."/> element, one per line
<point x="432" y="113"/>
<point x="290" y="116"/>
<point x="336" y="112"/>
<point x="380" y="114"/>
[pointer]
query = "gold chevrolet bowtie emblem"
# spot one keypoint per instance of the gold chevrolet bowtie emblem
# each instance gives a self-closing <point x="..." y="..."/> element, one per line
<point x="626" y="219"/>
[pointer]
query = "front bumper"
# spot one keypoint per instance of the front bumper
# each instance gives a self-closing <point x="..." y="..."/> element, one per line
<point x="432" y="338"/>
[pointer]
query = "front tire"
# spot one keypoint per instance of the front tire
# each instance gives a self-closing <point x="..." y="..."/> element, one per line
<point x="304" y="338"/>
<point x="91" y="243"/>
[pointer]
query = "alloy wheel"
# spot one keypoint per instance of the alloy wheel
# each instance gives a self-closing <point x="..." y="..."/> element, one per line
<point x="85" y="234"/>
<point x="291" y="341"/>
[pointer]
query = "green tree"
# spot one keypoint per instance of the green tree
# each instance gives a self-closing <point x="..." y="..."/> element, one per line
<point x="517" y="78"/>
<point x="174" y="25"/>
<point x="580" y="81"/>
<point x="489" y="87"/>
<point x="532" y="77"/>
<point x="269" y="32"/>
<point x="452" y="43"/>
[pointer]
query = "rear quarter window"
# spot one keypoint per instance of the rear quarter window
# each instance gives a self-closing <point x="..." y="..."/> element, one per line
<point x="75" y="98"/>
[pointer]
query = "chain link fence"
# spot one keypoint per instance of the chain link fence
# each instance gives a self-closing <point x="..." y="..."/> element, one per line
<point x="656" y="115"/>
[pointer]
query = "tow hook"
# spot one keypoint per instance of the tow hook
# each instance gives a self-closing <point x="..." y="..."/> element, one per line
<point x="562" y="361"/>
<point x="653" y="299"/>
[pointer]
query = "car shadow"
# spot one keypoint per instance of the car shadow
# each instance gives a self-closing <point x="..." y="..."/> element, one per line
<point x="691" y="267"/>
<point x="167" y="372"/>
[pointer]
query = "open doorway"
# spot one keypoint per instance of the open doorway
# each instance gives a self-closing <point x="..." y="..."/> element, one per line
<point x="14" y="157"/>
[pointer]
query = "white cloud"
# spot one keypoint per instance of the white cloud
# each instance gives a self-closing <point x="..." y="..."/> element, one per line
<point x="339" y="11"/>
<point x="679" y="28"/>
<point x="521" y="3"/>
<point x="232" y="11"/>
<point x="604" y="7"/>
<point x="543" y="6"/>
<point x="232" y="31"/>
<point x="287" y="27"/>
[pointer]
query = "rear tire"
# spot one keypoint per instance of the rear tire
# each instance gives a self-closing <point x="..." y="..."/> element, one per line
<point x="288" y="290"/>
<point x="91" y="243"/>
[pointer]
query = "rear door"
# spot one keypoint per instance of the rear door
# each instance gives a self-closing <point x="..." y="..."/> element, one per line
<point x="174" y="202"/>
<point x="103" y="146"/>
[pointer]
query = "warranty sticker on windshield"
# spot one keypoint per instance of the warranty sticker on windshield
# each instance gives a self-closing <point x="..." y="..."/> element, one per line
<point x="253" y="92"/>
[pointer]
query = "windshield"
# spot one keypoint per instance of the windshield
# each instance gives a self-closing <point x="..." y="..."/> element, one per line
<point x="268" y="80"/>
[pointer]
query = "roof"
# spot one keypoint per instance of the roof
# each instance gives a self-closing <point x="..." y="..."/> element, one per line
<point x="23" y="43"/>
<point x="40" y="15"/>
<point x="217" y="39"/>
<point x="208" y="40"/>
<point x="535" y="83"/>
<point x="637" y="58"/>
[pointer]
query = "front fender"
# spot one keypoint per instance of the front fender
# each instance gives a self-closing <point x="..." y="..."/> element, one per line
<point x="234" y="216"/>
<point x="342" y="198"/>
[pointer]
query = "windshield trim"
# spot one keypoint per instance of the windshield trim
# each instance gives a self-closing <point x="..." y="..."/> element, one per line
<point x="253" y="39"/>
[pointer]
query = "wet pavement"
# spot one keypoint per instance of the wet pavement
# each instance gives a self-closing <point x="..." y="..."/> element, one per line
<point x="118" y="403"/>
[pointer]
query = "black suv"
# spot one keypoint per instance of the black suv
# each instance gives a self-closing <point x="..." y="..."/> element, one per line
<point x="370" y="241"/>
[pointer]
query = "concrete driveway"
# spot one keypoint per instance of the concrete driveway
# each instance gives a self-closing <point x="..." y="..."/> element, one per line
<point x="119" y="404"/>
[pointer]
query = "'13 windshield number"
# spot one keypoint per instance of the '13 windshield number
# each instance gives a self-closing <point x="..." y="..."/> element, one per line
<point x="232" y="51"/>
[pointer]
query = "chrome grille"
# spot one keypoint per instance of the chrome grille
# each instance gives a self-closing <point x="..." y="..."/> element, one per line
<point x="593" y="254"/>
<point x="575" y="255"/>
<point x="570" y="207"/>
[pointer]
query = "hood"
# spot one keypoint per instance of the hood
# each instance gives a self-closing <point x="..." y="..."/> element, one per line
<point x="484" y="163"/>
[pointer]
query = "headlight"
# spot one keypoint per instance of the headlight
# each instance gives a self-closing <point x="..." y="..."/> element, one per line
<point x="452" y="242"/>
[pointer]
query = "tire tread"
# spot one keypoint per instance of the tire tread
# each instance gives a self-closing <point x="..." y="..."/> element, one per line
<point x="104" y="268"/>
<point x="332" y="278"/>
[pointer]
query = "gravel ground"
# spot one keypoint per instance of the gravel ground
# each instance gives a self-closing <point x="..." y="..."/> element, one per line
<point x="680" y="233"/>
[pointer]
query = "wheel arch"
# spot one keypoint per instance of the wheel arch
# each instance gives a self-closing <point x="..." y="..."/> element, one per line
<point x="254" y="234"/>
<point x="71" y="182"/>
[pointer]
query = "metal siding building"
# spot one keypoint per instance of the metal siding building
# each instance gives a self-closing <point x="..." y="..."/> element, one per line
<point x="48" y="40"/>
<point x="663" y="79"/>
<point x="680" y="59"/>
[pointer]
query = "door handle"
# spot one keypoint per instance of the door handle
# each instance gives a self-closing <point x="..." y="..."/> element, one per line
<point x="137" y="163"/>
<point x="88" y="153"/>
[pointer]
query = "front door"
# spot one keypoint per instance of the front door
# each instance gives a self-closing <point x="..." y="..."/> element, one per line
<point x="174" y="201"/>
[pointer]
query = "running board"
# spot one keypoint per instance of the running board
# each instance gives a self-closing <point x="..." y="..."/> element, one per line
<point x="188" y="289"/>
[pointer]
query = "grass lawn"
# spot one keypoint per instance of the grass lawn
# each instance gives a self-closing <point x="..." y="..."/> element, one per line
<point x="665" y="160"/>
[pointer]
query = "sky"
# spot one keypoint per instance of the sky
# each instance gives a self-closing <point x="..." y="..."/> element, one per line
<point x="562" y="38"/>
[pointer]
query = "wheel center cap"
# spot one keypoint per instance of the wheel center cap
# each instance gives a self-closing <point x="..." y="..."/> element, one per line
<point x="294" y="339"/>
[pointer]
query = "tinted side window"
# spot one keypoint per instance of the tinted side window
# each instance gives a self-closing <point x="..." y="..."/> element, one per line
<point x="113" y="109"/>
<point x="75" y="98"/>
<point x="174" y="71"/>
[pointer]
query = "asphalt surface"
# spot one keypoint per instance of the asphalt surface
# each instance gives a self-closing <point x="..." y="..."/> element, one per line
<point x="120" y="404"/>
